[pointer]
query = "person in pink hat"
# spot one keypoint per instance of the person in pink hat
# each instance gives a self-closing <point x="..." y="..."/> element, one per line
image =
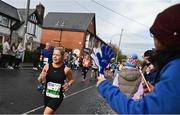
<point x="164" y="97"/>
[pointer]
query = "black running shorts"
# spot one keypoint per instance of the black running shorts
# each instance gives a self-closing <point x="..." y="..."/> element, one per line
<point x="53" y="103"/>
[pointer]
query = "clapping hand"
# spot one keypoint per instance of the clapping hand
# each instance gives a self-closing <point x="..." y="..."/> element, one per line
<point x="102" y="57"/>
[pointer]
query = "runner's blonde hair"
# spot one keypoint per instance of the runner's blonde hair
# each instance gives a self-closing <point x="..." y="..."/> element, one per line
<point x="61" y="49"/>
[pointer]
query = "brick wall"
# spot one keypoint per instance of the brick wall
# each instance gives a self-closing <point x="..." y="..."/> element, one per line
<point x="69" y="39"/>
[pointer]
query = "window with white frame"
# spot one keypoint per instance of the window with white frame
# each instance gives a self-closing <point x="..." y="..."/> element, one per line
<point x="31" y="28"/>
<point x="33" y="18"/>
<point x="91" y="42"/>
<point x="1" y="19"/>
<point x="4" y="21"/>
<point x="87" y="40"/>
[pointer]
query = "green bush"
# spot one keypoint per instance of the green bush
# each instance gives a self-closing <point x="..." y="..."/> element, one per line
<point x="1" y="47"/>
<point x="28" y="56"/>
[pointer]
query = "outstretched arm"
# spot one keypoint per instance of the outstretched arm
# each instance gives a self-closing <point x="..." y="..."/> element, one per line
<point x="70" y="79"/>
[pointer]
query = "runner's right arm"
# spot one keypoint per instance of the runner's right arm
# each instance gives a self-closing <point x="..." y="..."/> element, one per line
<point x="43" y="73"/>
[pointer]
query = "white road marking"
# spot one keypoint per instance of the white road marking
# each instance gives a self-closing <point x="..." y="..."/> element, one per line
<point x="33" y="110"/>
<point x="24" y="68"/>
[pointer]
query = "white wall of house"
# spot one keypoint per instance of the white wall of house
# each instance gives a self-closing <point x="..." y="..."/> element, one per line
<point x="4" y="25"/>
<point x="34" y="31"/>
<point x="4" y="30"/>
<point x="38" y="34"/>
<point x="20" y="31"/>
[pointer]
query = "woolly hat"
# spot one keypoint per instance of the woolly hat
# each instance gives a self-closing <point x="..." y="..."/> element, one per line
<point x="132" y="61"/>
<point x="166" y="27"/>
<point x="149" y="53"/>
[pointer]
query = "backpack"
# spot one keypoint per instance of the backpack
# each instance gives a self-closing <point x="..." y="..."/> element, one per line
<point x="129" y="81"/>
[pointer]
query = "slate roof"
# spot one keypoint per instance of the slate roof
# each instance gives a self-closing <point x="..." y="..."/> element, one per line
<point x="75" y="21"/>
<point x="8" y="10"/>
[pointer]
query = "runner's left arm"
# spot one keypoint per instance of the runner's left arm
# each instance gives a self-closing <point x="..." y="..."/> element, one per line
<point x="70" y="79"/>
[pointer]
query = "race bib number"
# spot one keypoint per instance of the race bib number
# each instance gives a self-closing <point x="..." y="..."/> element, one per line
<point x="45" y="61"/>
<point x="53" y="90"/>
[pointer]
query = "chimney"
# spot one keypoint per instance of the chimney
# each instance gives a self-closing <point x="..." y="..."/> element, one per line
<point x="40" y="11"/>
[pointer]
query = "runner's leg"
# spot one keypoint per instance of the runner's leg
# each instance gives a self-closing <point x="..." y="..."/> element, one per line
<point x="48" y="111"/>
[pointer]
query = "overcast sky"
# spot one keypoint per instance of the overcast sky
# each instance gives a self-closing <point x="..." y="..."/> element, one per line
<point x="133" y="16"/>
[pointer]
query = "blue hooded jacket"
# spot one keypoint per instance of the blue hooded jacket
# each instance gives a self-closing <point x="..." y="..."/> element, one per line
<point x="164" y="99"/>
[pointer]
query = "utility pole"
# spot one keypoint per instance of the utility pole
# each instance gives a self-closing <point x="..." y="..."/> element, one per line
<point x="25" y="27"/>
<point x="60" y="24"/>
<point x="60" y="37"/>
<point x="118" y="50"/>
<point x="110" y="42"/>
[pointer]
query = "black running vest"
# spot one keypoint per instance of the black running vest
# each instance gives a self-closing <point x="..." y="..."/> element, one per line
<point x="56" y="75"/>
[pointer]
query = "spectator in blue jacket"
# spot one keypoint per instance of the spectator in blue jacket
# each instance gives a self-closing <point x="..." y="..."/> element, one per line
<point x="45" y="58"/>
<point x="164" y="98"/>
<point x="46" y="55"/>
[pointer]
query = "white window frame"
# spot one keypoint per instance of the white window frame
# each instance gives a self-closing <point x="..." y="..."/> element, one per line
<point x="31" y="28"/>
<point x="4" y="21"/>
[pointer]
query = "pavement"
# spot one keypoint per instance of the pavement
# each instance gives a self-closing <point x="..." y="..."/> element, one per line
<point x="26" y="65"/>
